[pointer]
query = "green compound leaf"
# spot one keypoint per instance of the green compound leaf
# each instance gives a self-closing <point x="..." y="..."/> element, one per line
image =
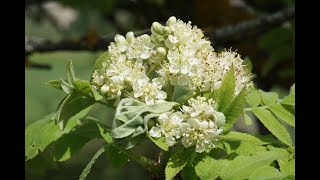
<point x="287" y="166"/>
<point x="242" y="166"/>
<point x="289" y="100"/>
<point x="254" y="98"/>
<point x="208" y="168"/>
<point x="177" y="161"/>
<point x="225" y="93"/>
<point x="131" y="119"/>
<point x="235" y="109"/>
<point x="42" y="133"/>
<point x="268" y="97"/>
<point x="238" y="136"/>
<point x="273" y="125"/>
<point x="283" y="114"/>
<point x="86" y="170"/>
<point x="85" y="87"/>
<point x="267" y="173"/>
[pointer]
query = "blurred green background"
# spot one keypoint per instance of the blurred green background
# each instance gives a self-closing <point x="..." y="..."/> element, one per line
<point x="271" y="55"/>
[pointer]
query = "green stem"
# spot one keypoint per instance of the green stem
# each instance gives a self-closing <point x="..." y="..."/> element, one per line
<point x="169" y="90"/>
<point x="145" y="162"/>
<point x="151" y="70"/>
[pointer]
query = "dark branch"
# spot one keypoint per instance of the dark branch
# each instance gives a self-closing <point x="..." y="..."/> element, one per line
<point x="250" y="28"/>
<point x="219" y="37"/>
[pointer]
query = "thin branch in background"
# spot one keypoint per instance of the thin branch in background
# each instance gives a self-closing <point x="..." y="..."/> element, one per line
<point x="219" y="37"/>
<point x="30" y="64"/>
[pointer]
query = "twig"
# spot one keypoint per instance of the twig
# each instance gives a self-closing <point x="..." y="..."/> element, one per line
<point x="218" y="37"/>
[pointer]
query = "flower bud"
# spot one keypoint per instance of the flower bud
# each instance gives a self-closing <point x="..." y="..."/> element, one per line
<point x="166" y="31"/>
<point x="119" y="39"/>
<point x="130" y="36"/>
<point x="161" y="51"/>
<point x="104" y="89"/>
<point x="156" y="28"/>
<point x="171" y="20"/>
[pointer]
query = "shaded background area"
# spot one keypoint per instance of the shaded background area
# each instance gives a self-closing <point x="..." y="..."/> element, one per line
<point x="271" y="55"/>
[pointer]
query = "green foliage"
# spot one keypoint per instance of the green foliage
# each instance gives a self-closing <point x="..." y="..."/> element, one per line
<point x="268" y="97"/>
<point x="131" y="119"/>
<point x="273" y="125"/>
<point x="160" y="142"/>
<point x="189" y="173"/>
<point x="247" y="119"/>
<point x="117" y="156"/>
<point x="235" y="109"/>
<point x="241" y="167"/>
<point x="71" y="143"/>
<point x="42" y="133"/>
<point x="238" y="136"/>
<point x="283" y="114"/>
<point x="105" y="134"/>
<point x="254" y="98"/>
<point x="265" y="173"/>
<point x="287" y="166"/>
<point x="207" y="167"/>
<point x="177" y="161"/>
<point x="226" y="91"/>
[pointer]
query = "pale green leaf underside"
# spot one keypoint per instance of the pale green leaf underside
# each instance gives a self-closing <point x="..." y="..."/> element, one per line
<point x="131" y="119"/>
<point x="273" y="125"/>
<point x="241" y="167"/>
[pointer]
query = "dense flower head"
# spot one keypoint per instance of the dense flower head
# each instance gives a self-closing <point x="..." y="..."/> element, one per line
<point x="197" y="124"/>
<point x="175" y="54"/>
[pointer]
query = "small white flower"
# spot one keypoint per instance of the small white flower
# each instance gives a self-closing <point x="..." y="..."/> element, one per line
<point x="168" y="126"/>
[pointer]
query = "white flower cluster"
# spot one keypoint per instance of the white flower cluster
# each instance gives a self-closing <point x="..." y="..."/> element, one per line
<point x="176" y="54"/>
<point x="191" y="61"/>
<point x="179" y="53"/>
<point x="125" y="71"/>
<point x="198" y="124"/>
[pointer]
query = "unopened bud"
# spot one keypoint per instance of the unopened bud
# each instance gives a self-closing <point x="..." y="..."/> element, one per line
<point x="104" y="89"/>
<point x="171" y="20"/>
<point x="119" y="39"/>
<point x="166" y="31"/>
<point x="130" y="36"/>
<point x="161" y="51"/>
<point x="156" y="28"/>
